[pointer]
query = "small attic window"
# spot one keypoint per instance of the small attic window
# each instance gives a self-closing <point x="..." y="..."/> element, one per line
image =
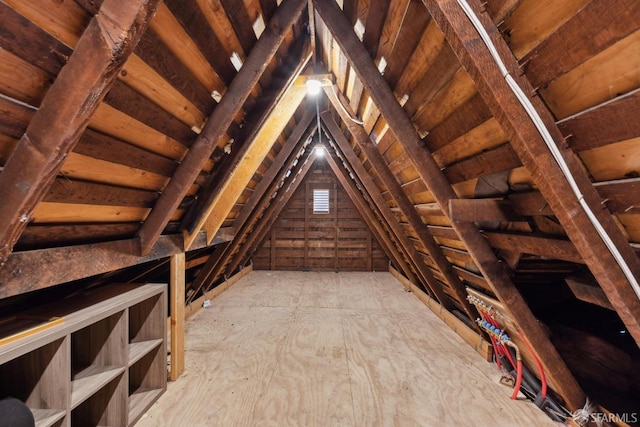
<point x="320" y="201"/>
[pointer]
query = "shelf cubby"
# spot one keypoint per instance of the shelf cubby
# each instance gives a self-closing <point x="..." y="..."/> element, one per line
<point x="102" y="363"/>
<point x="105" y="407"/>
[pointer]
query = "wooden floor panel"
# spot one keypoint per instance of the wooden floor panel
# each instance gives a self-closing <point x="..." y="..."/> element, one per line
<point x="327" y="349"/>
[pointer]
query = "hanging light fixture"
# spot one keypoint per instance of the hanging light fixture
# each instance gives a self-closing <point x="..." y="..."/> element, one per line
<point x="314" y="86"/>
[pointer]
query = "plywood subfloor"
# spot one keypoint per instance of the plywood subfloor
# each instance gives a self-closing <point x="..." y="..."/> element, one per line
<point x="327" y="349"/>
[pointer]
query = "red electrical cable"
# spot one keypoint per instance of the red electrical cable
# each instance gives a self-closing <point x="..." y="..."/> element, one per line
<point x="493" y="341"/>
<point x="505" y="350"/>
<point x="543" y="378"/>
<point x="516" y="389"/>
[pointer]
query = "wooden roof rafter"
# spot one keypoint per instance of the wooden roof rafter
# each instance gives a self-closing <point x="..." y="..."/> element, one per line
<point x="531" y="148"/>
<point x="261" y="196"/>
<point x="248" y="158"/>
<point x="373" y="193"/>
<point x="292" y="155"/>
<point x="270" y="215"/>
<point x="364" y="143"/>
<point x="217" y="125"/>
<point x="494" y="272"/>
<point x="66" y="109"/>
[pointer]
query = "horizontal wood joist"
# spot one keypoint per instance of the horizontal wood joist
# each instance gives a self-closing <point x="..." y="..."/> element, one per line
<point x="65" y="111"/>
<point x="219" y="121"/>
<point x="494" y="272"/>
<point x="587" y="223"/>
<point x="64" y="264"/>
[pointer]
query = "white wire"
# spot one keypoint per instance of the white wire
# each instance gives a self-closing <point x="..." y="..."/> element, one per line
<point x="354" y="120"/>
<point x="546" y="136"/>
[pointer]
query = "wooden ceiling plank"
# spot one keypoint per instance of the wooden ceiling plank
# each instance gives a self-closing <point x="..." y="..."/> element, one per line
<point x="481" y="252"/>
<point x="241" y="22"/>
<point x="104" y="147"/>
<point x="592" y="128"/>
<point x="588" y="291"/>
<point x="595" y="27"/>
<point x="538" y="159"/>
<point x="64" y="190"/>
<point x="373" y="192"/>
<point x="65" y="111"/>
<point x="469" y="116"/>
<point x="268" y="9"/>
<point x="219" y="121"/>
<point x="220" y="24"/>
<point x="78" y="166"/>
<point x="141" y="77"/>
<point x="428" y="49"/>
<point x="499" y="159"/>
<point x="472" y="210"/>
<point x="167" y="27"/>
<point x="414" y="24"/>
<point x="65" y="264"/>
<point x="26" y="40"/>
<point x="406" y="207"/>
<point x="15" y="117"/>
<point x="373" y="27"/>
<point x="195" y="24"/>
<point x="158" y="56"/>
<point x="132" y="103"/>
<point x="50" y="235"/>
<point x="621" y="196"/>
<point x="257" y="148"/>
<point x="113" y="122"/>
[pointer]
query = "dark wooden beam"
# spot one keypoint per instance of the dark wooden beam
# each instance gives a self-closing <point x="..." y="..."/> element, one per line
<point x="478" y="248"/>
<point x="538" y="159"/>
<point x="547" y="247"/>
<point x="482" y="210"/>
<point x="373" y="193"/>
<point x="364" y="143"/>
<point x="219" y="121"/>
<point x="65" y="264"/>
<point x="65" y="111"/>
<point x="588" y="291"/>
<point x="243" y="26"/>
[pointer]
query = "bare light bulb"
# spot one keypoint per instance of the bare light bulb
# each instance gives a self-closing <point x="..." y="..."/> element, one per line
<point x="314" y="87"/>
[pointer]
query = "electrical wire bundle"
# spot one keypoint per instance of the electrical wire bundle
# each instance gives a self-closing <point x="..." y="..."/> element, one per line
<point x="508" y="359"/>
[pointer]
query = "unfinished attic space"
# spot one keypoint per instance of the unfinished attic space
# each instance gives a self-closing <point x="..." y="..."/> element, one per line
<point x="319" y="212"/>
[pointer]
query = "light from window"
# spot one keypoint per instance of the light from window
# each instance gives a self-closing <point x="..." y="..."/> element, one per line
<point x="320" y="201"/>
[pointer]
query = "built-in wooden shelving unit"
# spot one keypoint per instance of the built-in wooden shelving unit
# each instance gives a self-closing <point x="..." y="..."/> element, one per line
<point x="103" y="364"/>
